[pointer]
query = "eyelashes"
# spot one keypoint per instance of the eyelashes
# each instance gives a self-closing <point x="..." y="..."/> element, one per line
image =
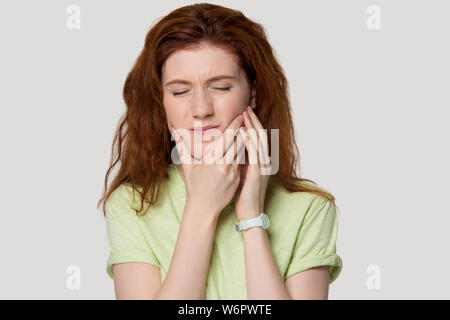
<point x="179" y="93"/>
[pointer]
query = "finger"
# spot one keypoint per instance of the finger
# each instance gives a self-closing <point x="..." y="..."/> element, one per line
<point x="262" y="138"/>
<point x="252" y="146"/>
<point x="262" y="132"/>
<point x="252" y="135"/>
<point x="235" y="151"/>
<point x="254" y="118"/>
<point x="225" y="140"/>
<point x="249" y="138"/>
<point x="229" y="159"/>
<point x="240" y="155"/>
<point x="256" y="159"/>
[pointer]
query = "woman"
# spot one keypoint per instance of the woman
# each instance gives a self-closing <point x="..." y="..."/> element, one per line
<point x="206" y="65"/>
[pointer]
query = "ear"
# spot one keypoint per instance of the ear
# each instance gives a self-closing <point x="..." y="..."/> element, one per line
<point x="252" y="102"/>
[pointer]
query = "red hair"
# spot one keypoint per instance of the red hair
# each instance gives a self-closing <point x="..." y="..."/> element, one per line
<point x="143" y="141"/>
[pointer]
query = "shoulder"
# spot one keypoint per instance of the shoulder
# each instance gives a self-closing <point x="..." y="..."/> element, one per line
<point x="124" y="197"/>
<point x="122" y="194"/>
<point x="292" y="212"/>
<point x="301" y="201"/>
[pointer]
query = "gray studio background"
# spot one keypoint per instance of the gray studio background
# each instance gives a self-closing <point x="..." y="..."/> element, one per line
<point x="371" y="116"/>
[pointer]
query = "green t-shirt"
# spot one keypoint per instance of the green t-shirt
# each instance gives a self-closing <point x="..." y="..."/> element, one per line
<point x="303" y="232"/>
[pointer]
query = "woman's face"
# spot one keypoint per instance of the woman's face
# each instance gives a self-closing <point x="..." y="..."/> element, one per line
<point x="195" y="95"/>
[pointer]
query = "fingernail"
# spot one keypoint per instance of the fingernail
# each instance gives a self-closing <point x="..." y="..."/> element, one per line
<point x="174" y="133"/>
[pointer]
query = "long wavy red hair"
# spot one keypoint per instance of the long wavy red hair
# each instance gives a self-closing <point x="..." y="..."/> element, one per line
<point x="143" y="141"/>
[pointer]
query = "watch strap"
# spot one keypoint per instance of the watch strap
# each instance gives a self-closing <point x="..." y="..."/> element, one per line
<point x="253" y="222"/>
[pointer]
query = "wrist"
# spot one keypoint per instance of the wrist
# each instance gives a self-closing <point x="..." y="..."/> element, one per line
<point x="248" y="215"/>
<point x="207" y="214"/>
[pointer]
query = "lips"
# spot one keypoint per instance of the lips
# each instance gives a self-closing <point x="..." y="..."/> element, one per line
<point x="203" y="129"/>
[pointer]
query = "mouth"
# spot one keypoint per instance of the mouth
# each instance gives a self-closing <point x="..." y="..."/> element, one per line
<point x="204" y="130"/>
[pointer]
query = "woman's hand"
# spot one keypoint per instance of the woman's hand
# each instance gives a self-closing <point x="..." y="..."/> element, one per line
<point x="211" y="185"/>
<point x="249" y="201"/>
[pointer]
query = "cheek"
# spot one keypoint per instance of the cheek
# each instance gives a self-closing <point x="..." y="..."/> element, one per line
<point x="171" y="110"/>
<point x="233" y="104"/>
<point x="175" y="115"/>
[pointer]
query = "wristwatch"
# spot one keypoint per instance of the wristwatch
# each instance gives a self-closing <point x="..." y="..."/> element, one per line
<point x="260" y="221"/>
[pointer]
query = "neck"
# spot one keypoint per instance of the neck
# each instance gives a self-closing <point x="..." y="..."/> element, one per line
<point x="180" y="171"/>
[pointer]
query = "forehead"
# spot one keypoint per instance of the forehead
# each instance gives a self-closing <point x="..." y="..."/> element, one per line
<point x="200" y="63"/>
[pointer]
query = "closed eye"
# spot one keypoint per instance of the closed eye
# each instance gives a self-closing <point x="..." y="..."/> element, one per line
<point x="178" y="93"/>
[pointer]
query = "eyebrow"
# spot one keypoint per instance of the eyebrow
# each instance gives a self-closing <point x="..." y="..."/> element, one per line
<point x="221" y="77"/>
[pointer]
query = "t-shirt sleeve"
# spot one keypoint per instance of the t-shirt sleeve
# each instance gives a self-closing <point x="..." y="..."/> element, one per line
<point x="316" y="241"/>
<point x="126" y="240"/>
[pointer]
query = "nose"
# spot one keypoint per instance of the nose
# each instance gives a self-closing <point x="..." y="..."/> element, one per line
<point x="201" y="105"/>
